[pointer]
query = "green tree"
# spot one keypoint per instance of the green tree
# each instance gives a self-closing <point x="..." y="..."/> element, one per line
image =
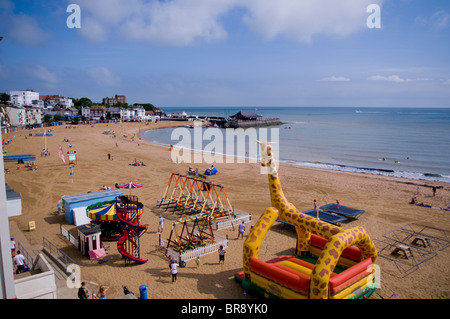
<point x="4" y="98"/>
<point x="58" y="118"/>
<point x="48" y="118"/>
<point x="84" y="101"/>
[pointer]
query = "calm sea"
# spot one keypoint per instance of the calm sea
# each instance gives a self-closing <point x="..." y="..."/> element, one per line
<point x="402" y="142"/>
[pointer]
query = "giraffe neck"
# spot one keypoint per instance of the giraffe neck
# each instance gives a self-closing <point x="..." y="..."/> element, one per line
<point x="276" y="192"/>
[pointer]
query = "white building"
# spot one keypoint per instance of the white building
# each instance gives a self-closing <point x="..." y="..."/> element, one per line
<point x="20" y="115"/>
<point x="22" y="98"/>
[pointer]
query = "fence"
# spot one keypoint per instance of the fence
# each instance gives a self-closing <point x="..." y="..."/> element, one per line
<point x="224" y="224"/>
<point x="69" y="236"/>
<point x="197" y="252"/>
<point x="57" y="254"/>
<point x="28" y="259"/>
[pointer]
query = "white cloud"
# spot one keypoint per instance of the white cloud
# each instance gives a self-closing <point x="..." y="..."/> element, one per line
<point x="440" y="20"/>
<point x="394" y="78"/>
<point x="42" y="73"/>
<point x="335" y="79"/>
<point x="164" y="23"/>
<point x="302" y="20"/>
<point x="184" y="22"/>
<point x="103" y="76"/>
<point x="21" y="28"/>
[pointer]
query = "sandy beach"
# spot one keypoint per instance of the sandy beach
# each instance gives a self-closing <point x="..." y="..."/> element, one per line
<point x="385" y="200"/>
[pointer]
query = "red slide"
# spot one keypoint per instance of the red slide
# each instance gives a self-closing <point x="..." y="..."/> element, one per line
<point x="123" y="252"/>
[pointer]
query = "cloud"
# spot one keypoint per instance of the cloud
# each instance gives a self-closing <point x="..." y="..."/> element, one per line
<point x="103" y="76"/>
<point x="303" y="20"/>
<point x="175" y="22"/>
<point x="394" y="78"/>
<point x="335" y="79"/>
<point x="21" y="28"/>
<point x="42" y="73"/>
<point x="440" y="20"/>
<point x="185" y="22"/>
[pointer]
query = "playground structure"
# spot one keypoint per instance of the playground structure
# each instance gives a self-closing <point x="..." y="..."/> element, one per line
<point x="195" y="239"/>
<point x="411" y="245"/>
<point x="105" y="215"/>
<point x="187" y="195"/>
<point x="127" y="211"/>
<point x="190" y="236"/>
<point x="330" y="262"/>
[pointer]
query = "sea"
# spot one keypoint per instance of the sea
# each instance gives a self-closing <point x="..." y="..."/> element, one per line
<point x="411" y="143"/>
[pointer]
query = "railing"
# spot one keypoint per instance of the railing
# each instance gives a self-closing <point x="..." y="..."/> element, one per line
<point x="197" y="252"/>
<point x="57" y="254"/>
<point x="28" y="259"/>
<point x="69" y="236"/>
<point x="224" y="224"/>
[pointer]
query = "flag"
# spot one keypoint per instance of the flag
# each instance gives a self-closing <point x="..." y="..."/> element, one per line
<point x="61" y="154"/>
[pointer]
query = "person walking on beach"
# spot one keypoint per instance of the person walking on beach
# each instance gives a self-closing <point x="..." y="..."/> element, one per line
<point x="316" y="209"/>
<point x="241" y="230"/>
<point x="337" y="204"/>
<point x="161" y="224"/>
<point x="19" y="260"/>
<point x="221" y="254"/>
<point x="434" y="190"/>
<point x="174" y="271"/>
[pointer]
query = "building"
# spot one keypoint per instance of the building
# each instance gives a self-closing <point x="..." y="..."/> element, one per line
<point x="24" y="98"/>
<point x="246" y="116"/>
<point x="50" y="101"/>
<point x="122" y="99"/>
<point x="179" y="115"/>
<point x="97" y="112"/>
<point x="16" y="115"/>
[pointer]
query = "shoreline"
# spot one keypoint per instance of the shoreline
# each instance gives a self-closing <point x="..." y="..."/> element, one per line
<point x="329" y="166"/>
<point x="385" y="200"/>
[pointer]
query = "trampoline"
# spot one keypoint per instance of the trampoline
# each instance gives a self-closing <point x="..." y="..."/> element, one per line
<point x="342" y="210"/>
<point x="326" y="216"/>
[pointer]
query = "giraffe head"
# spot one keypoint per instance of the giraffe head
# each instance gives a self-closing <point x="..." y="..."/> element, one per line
<point x="269" y="164"/>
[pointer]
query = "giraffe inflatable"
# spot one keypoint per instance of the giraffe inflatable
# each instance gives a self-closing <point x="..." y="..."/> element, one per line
<point x="281" y="209"/>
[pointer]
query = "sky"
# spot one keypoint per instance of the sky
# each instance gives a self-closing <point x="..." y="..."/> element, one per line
<point x="230" y="52"/>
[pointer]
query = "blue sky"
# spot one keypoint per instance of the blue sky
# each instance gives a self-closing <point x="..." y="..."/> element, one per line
<point x="231" y="52"/>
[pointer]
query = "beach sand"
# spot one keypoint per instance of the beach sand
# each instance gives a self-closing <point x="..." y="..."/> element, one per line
<point x="385" y="200"/>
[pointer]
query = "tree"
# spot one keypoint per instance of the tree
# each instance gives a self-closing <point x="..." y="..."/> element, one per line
<point x="4" y="98"/>
<point x="58" y="118"/>
<point x="84" y="101"/>
<point x="48" y="118"/>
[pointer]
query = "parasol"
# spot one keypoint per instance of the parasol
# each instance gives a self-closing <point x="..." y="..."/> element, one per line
<point x="130" y="186"/>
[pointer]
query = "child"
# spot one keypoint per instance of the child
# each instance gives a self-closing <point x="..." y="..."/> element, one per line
<point x="173" y="267"/>
<point x="221" y="254"/>
<point x="241" y="230"/>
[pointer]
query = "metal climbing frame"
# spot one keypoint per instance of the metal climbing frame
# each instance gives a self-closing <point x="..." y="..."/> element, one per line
<point x="195" y="232"/>
<point x="187" y="196"/>
<point x="412" y="245"/>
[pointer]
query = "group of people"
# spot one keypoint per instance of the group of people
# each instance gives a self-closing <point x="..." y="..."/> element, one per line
<point x="83" y="293"/>
<point x="19" y="259"/>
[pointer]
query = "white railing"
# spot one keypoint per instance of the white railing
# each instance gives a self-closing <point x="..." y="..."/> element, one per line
<point x="197" y="252"/>
<point x="69" y="236"/>
<point x="228" y="223"/>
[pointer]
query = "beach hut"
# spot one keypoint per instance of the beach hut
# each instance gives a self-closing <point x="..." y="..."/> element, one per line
<point x="89" y="238"/>
<point x="85" y="200"/>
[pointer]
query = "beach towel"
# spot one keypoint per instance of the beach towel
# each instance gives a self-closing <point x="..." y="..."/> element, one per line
<point x="97" y="253"/>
